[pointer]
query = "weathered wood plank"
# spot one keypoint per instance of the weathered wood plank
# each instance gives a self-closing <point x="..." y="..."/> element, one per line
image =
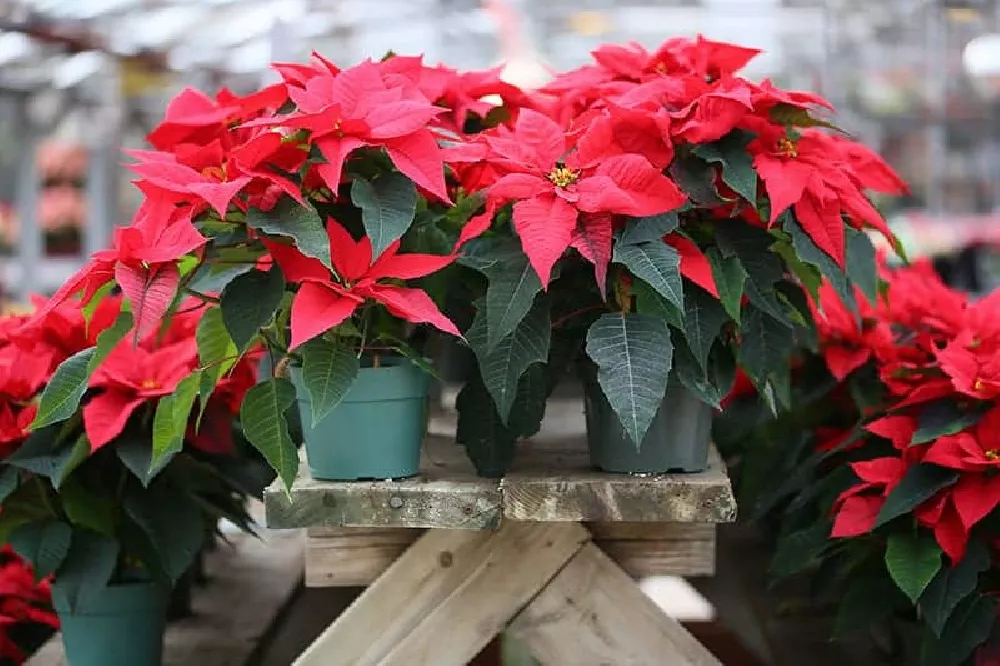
<point x="249" y="583"/>
<point x="553" y="482"/>
<point x="353" y="556"/>
<point x="447" y="596"/>
<point x="593" y="614"/>
<point x="447" y="494"/>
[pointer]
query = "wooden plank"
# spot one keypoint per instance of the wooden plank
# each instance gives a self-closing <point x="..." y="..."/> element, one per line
<point x="447" y="494"/>
<point x="447" y="596"/>
<point x="553" y="482"/>
<point x="353" y="556"/>
<point x="249" y="583"/>
<point x="593" y="614"/>
<point x="658" y="549"/>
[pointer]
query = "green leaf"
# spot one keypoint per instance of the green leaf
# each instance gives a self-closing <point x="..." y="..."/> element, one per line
<point x="38" y="453"/>
<point x="968" y="628"/>
<point x="647" y="229"/>
<point x="703" y="320"/>
<point x="88" y="567"/>
<point x="90" y="509"/>
<point x="729" y="277"/>
<point x="170" y="424"/>
<point x="696" y="178"/>
<point x="62" y="394"/>
<point x="648" y="301"/>
<point x="501" y="368"/>
<point x="299" y="222"/>
<point x="9" y="479"/>
<point x="912" y="561"/>
<point x="217" y="352"/>
<point x="328" y="370"/>
<point x="795" y="116"/>
<point x="174" y="526"/>
<point x="387" y="205"/>
<point x="920" y="483"/>
<point x="211" y="278"/>
<point x="248" y="303"/>
<point x="69" y="459"/>
<point x="737" y="165"/>
<point x="657" y="264"/>
<point x="952" y="584"/>
<point x="862" y="268"/>
<point x="489" y="443"/>
<point x="797" y="550"/>
<point x="868" y="600"/>
<point x="634" y="354"/>
<point x="941" y="418"/>
<point x="763" y="267"/>
<point x="262" y="416"/>
<point x="765" y="344"/>
<point x="710" y="385"/>
<point x="44" y="545"/>
<point x="810" y="253"/>
<point x="513" y="285"/>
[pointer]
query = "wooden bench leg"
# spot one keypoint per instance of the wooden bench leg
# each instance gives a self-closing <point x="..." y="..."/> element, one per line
<point x="447" y="596"/>
<point x="593" y="614"/>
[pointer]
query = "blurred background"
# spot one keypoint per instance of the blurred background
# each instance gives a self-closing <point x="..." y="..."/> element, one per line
<point x="919" y="80"/>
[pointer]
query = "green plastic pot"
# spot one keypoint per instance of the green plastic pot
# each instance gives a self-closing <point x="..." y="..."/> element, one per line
<point x="122" y="625"/>
<point x="678" y="439"/>
<point x="377" y="429"/>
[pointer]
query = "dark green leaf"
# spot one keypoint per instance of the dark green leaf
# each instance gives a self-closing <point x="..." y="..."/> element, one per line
<point x="170" y="423"/>
<point x="9" y="477"/>
<point x="213" y="278"/>
<point x="69" y="459"/>
<point x="262" y="416"/>
<point x="299" y="222"/>
<point x="809" y="252"/>
<point x="634" y="354"/>
<point x="968" y="628"/>
<point x="648" y="301"/>
<point x="387" y="205"/>
<point x="796" y="116"/>
<point x="511" y="291"/>
<point x="501" y="368"/>
<point x="797" y="550"/>
<point x="913" y="561"/>
<point x="690" y="373"/>
<point x="862" y="269"/>
<point x="174" y="526"/>
<point x="328" y="370"/>
<point x="729" y="277"/>
<point x="62" y="394"/>
<point x="737" y="165"/>
<point x="763" y="267"/>
<point x="647" y="229"/>
<point x="696" y="178"/>
<point x="952" y="584"/>
<point x="248" y="303"/>
<point x="38" y="453"/>
<point x="703" y="320"/>
<point x="941" y="418"/>
<point x="657" y="264"/>
<point x="88" y="567"/>
<point x="90" y="509"/>
<point x="920" y="483"/>
<point x="44" y="545"/>
<point x="868" y="600"/>
<point x="765" y="344"/>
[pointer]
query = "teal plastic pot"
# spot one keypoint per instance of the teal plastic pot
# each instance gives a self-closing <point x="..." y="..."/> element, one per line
<point x="375" y="432"/>
<point x="678" y="439"/>
<point x="122" y="625"/>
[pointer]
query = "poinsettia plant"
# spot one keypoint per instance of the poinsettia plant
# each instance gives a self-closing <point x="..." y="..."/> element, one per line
<point x="889" y="457"/>
<point x="129" y="482"/>
<point x="663" y="218"/>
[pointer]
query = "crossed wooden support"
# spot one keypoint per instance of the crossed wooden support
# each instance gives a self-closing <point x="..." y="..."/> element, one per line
<point x="544" y="554"/>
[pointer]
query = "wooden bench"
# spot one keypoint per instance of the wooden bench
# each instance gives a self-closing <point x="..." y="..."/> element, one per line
<point x="546" y="554"/>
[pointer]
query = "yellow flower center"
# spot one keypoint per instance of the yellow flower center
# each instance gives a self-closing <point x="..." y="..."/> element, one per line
<point x="787" y="148"/>
<point x="992" y="455"/>
<point x="150" y="384"/>
<point x="661" y="67"/>
<point x="977" y="385"/>
<point x="563" y="176"/>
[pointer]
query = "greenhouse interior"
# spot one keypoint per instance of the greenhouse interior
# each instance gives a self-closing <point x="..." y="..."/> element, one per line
<point x="497" y="332"/>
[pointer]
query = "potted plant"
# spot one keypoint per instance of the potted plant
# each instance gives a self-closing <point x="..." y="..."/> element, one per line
<point x="658" y="226"/>
<point x="113" y="485"/>
<point x="887" y="457"/>
<point x="315" y="223"/>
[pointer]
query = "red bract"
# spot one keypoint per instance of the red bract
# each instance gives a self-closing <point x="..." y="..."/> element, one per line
<point x="552" y="186"/>
<point x="130" y="377"/>
<point x="972" y="358"/>
<point x="324" y="300"/>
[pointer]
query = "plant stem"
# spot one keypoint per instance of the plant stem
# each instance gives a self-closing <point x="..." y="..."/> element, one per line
<point x="204" y="297"/>
<point x="575" y="313"/>
<point x="365" y="323"/>
<point x="282" y="367"/>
